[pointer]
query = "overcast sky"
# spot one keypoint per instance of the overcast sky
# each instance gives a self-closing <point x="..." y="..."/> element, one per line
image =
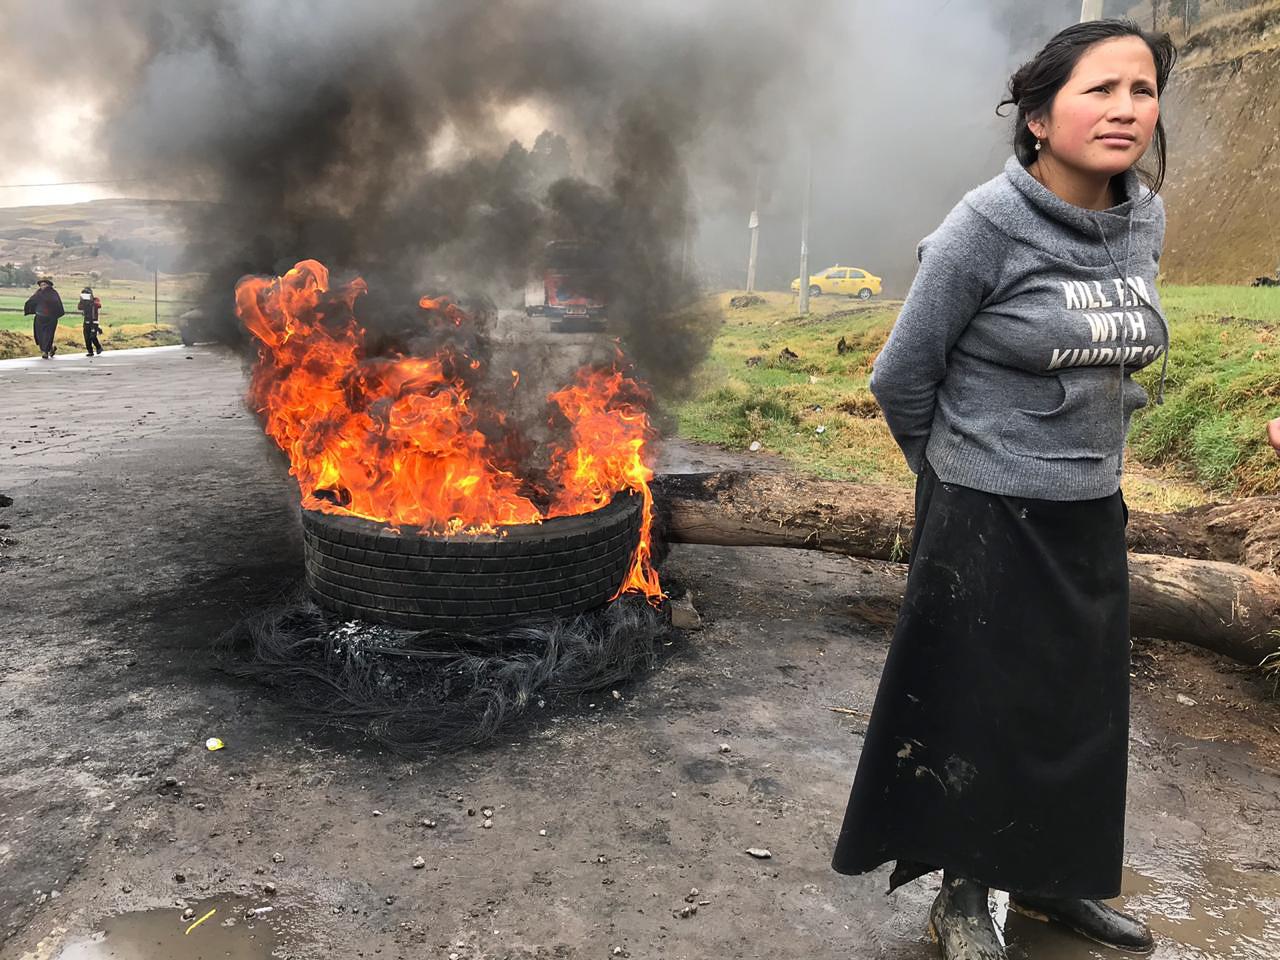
<point x="893" y="98"/>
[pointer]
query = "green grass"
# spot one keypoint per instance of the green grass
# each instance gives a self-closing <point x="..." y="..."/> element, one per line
<point x="1206" y="440"/>
<point x="123" y="301"/>
<point x="1223" y="386"/>
<point x="1271" y="665"/>
<point x="783" y="402"/>
<point x="128" y="315"/>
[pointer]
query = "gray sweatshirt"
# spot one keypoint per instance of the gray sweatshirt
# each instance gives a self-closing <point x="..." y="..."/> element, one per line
<point x="1010" y="367"/>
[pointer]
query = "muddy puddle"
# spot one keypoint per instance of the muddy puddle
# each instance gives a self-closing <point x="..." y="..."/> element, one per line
<point x="1198" y="911"/>
<point x="236" y="929"/>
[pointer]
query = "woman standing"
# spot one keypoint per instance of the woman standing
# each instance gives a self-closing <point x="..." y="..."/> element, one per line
<point x="46" y="305"/>
<point x="997" y="748"/>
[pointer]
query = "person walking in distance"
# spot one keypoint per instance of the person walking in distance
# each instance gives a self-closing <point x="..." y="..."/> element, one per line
<point x="89" y="307"/>
<point x="46" y="305"/>
<point x="997" y="749"/>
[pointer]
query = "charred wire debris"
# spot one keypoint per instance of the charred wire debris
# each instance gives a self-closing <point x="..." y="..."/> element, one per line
<point x="415" y="692"/>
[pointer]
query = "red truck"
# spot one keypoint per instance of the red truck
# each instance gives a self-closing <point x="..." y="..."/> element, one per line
<point x="571" y="290"/>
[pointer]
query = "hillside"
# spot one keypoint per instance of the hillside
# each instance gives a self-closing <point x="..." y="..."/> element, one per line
<point x="117" y="239"/>
<point x="1222" y="110"/>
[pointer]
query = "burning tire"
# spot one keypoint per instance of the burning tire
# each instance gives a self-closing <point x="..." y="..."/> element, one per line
<point x="564" y="566"/>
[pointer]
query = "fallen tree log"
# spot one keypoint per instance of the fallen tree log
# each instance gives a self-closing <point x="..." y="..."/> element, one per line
<point x="1222" y="606"/>
<point x="1246" y="532"/>
<point x="779" y="510"/>
<point x="875" y="521"/>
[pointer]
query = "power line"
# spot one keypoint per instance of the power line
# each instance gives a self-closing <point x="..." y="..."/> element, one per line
<point x="74" y="183"/>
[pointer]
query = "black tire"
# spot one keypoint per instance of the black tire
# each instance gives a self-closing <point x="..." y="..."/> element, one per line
<point x="361" y="569"/>
<point x="815" y="290"/>
<point x="864" y="293"/>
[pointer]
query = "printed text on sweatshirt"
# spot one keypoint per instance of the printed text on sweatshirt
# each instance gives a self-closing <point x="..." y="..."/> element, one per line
<point x="1010" y="366"/>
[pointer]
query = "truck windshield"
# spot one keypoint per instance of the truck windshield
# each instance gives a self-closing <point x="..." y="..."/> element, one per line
<point x="562" y="255"/>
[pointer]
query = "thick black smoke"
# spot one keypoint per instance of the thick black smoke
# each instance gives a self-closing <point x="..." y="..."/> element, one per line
<point x="377" y="139"/>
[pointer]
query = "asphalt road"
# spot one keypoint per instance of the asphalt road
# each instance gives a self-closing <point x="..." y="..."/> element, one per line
<point x="149" y="513"/>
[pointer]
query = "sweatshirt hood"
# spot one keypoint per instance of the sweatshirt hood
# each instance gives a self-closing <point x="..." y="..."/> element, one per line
<point x="1018" y="204"/>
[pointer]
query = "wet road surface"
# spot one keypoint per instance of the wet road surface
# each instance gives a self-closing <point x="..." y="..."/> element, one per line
<point x="149" y="513"/>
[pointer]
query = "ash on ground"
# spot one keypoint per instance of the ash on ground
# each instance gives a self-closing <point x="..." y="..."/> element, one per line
<point x="424" y="691"/>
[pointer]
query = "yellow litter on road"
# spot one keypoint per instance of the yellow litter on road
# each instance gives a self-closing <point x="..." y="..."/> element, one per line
<point x="201" y="920"/>
<point x="213" y="743"/>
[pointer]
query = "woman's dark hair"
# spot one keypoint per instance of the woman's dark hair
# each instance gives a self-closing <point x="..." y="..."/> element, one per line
<point x="1034" y="85"/>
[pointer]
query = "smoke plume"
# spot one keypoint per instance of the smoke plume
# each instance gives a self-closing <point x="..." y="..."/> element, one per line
<point x="400" y="140"/>
<point x="383" y="140"/>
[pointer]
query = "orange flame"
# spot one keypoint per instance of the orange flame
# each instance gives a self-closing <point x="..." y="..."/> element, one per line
<point x="396" y="438"/>
<point x="610" y="430"/>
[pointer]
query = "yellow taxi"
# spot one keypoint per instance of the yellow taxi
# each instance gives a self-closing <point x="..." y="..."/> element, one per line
<point x="850" y="281"/>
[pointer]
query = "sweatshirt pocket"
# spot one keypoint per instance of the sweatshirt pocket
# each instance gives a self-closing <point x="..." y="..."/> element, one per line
<point x="1083" y="426"/>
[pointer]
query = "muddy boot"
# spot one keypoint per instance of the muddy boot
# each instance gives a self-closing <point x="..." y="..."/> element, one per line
<point x="960" y="922"/>
<point x="1089" y="918"/>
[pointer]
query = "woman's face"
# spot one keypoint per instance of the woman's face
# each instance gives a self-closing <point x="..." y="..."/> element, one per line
<point x="1102" y="120"/>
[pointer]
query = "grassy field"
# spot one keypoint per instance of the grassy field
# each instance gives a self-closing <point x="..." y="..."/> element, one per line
<point x="814" y="410"/>
<point x="1224" y="384"/>
<point x="128" y="315"/>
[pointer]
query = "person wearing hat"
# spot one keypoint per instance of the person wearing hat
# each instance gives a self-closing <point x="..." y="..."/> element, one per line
<point x="47" y="307"/>
<point x="89" y="307"/>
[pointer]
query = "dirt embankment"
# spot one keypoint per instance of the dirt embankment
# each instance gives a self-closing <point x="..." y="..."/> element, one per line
<point x="1222" y="110"/>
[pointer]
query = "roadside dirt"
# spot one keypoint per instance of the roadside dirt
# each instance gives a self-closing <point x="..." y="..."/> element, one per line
<point x="135" y="537"/>
<point x="1222" y="114"/>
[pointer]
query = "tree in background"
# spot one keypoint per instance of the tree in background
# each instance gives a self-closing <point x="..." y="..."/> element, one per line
<point x="17" y="275"/>
<point x="65" y="238"/>
<point x="1188" y="11"/>
<point x="550" y="157"/>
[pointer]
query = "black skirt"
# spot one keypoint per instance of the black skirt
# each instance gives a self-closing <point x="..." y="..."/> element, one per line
<point x="998" y="744"/>
<point x="44" y="329"/>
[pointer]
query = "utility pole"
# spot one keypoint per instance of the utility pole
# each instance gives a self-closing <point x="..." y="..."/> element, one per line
<point x="754" y="225"/>
<point x="156" y="297"/>
<point x="1090" y="10"/>
<point x="684" y="251"/>
<point x="804" y="235"/>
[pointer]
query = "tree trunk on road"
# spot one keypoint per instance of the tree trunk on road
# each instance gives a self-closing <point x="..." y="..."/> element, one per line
<point x="1188" y="582"/>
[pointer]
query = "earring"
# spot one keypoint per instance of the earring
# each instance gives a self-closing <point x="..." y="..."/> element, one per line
<point x="1038" y="145"/>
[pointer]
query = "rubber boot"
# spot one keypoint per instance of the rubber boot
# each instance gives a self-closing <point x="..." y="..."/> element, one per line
<point x="960" y="922"/>
<point x="1089" y="918"/>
